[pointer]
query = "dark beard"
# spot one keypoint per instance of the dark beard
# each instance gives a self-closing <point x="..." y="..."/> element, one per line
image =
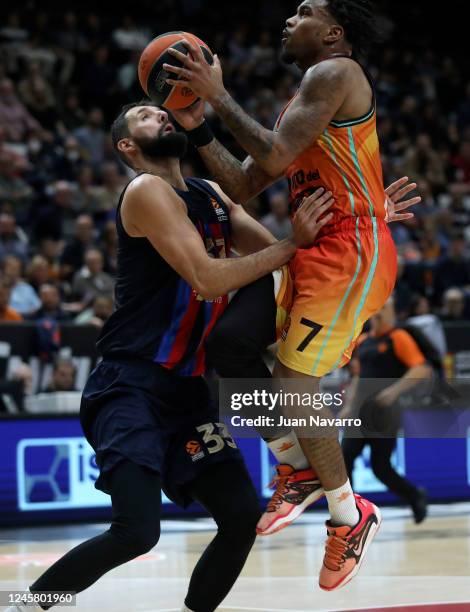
<point x="166" y="145"/>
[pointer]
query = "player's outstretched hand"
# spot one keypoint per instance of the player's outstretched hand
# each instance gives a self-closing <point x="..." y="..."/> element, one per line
<point x="395" y="194"/>
<point x="204" y="79"/>
<point x="310" y="217"/>
<point x="191" y="117"/>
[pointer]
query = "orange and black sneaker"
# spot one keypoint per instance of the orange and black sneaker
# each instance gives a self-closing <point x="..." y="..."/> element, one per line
<point x="295" y="491"/>
<point x="347" y="546"/>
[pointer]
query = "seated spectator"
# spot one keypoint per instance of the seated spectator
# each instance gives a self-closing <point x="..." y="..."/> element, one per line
<point x="38" y="272"/>
<point x="453" y="305"/>
<point x="72" y="116"/>
<point x="14" y="117"/>
<point x="38" y="96"/>
<point x="55" y="217"/>
<point x="91" y="280"/>
<point x="109" y="244"/>
<point x="99" y="313"/>
<point x="277" y="221"/>
<point x="91" y="138"/>
<point x="13" y="188"/>
<point x="23" y="297"/>
<point x="85" y="197"/>
<point x="453" y="270"/>
<point x="461" y="163"/>
<point x="7" y="313"/>
<point x="72" y="257"/>
<point x="63" y="376"/>
<point x="12" y="241"/>
<point x="422" y="318"/>
<point x="107" y="195"/>
<point x="51" y="307"/>
<point x="403" y="293"/>
<point x="423" y="162"/>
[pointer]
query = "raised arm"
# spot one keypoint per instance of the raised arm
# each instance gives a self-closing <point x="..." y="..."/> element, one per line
<point x="241" y="181"/>
<point x="322" y="92"/>
<point x="151" y="209"/>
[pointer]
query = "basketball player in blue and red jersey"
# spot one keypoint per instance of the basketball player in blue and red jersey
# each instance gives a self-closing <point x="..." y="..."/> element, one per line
<point x="326" y="136"/>
<point x="146" y="408"/>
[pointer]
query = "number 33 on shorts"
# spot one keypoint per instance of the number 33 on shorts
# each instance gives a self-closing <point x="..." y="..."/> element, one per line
<point x="214" y="438"/>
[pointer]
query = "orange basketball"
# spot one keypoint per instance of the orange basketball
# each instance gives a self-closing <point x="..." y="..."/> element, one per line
<point x="152" y="75"/>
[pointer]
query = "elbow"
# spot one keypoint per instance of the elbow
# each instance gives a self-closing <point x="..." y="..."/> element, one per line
<point x="204" y="285"/>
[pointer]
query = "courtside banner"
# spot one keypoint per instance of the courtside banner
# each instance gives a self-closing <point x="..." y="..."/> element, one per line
<point x="363" y="408"/>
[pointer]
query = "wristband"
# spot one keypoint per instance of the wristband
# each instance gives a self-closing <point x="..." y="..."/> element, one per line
<point x="201" y="136"/>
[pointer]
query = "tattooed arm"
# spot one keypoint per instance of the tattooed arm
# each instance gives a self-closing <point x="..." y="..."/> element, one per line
<point x="241" y="181"/>
<point x="322" y="93"/>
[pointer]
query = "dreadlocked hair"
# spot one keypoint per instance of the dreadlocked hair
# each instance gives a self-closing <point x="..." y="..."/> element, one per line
<point x="359" y="22"/>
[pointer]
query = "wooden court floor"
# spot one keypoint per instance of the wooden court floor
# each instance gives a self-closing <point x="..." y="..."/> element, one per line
<point x="409" y="568"/>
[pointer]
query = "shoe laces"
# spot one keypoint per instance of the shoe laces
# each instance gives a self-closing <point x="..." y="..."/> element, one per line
<point x="280" y="484"/>
<point x="335" y="551"/>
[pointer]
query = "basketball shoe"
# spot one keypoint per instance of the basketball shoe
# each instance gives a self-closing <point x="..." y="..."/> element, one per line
<point x="346" y="546"/>
<point x="295" y="491"/>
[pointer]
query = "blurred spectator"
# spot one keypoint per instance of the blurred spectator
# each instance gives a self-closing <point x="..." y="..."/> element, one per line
<point x="109" y="242"/>
<point x="99" y="313"/>
<point x="129" y="36"/>
<point x="91" y="280"/>
<point x="453" y="305"/>
<point x="55" y="217"/>
<point x="277" y="221"/>
<point x="13" y="188"/>
<point x="72" y="257"/>
<point x="12" y="241"/>
<point x="23" y="297"/>
<point x="38" y="96"/>
<point x="71" y="115"/>
<point x="63" y="376"/>
<point x="462" y="164"/>
<point x="91" y="137"/>
<point x="51" y="307"/>
<point x="422" y="318"/>
<point x="14" y="117"/>
<point x="106" y="196"/>
<point x="453" y="270"/>
<point x="7" y="313"/>
<point x="423" y="162"/>
<point x="38" y="272"/>
<point x="403" y="291"/>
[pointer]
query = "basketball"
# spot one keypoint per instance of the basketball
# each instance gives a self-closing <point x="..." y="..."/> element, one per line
<point x="152" y="75"/>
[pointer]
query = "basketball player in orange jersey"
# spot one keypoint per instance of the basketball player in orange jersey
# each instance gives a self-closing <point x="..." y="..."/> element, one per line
<point x="325" y="137"/>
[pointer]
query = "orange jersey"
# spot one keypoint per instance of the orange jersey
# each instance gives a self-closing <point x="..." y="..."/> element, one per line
<point x="345" y="160"/>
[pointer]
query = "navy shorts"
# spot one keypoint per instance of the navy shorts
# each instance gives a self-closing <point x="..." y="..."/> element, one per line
<point x="137" y="410"/>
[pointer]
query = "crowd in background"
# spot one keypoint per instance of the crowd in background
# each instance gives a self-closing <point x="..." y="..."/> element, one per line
<point x="63" y="78"/>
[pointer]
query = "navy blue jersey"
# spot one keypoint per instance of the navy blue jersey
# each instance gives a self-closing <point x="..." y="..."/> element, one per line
<point x="159" y="316"/>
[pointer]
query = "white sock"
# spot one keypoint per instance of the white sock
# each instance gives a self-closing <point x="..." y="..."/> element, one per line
<point x="342" y="506"/>
<point x="287" y="450"/>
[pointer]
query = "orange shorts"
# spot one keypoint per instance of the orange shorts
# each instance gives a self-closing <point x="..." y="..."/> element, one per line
<point x="337" y="285"/>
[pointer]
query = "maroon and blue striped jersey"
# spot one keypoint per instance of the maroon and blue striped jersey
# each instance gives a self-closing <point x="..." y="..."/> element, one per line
<point x="158" y="315"/>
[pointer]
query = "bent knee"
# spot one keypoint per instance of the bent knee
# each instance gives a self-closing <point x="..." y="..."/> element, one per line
<point x="138" y="539"/>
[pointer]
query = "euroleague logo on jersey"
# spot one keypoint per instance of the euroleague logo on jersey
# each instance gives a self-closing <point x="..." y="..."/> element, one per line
<point x="219" y="211"/>
<point x="194" y="450"/>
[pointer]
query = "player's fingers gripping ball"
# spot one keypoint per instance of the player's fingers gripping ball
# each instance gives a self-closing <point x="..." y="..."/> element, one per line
<point x="153" y="76"/>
